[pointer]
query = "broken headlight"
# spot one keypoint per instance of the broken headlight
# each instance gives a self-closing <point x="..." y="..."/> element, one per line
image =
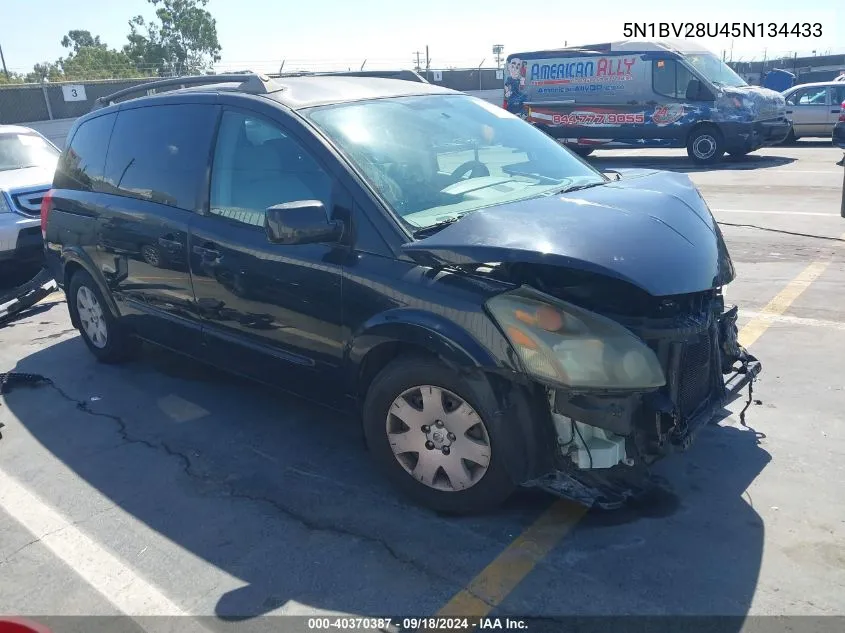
<point x="561" y="343"/>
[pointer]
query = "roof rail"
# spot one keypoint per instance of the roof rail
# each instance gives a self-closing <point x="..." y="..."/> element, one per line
<point x="407" y="75"/>
<point x="249" y="82"/>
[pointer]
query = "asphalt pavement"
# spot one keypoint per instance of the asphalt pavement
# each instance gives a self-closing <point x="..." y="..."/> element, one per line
<point x="162" y="487"/>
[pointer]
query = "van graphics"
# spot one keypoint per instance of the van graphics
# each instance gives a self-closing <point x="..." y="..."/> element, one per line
<point x="666" y="114"/>
<point x="585" y="116"/>
<point x="515" y="86"/>
<point x="602" y="70"/>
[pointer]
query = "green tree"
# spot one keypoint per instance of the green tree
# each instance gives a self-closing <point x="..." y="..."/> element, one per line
<point x="77" y="39"/>
<point x="182" y="41"/>
<point x="98" y="62"/>
<point x="51" y="71"/>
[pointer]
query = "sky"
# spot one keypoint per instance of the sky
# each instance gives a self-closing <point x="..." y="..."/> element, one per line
<point x="339" y="34"/>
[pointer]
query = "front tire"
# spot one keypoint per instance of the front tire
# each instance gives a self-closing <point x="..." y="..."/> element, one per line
<point x="103" y="334"/>
<point x="705" y="145"/>
<point x="431" y="432"/>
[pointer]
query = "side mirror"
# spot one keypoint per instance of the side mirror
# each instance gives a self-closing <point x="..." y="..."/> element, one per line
<point x="300" y="222"/>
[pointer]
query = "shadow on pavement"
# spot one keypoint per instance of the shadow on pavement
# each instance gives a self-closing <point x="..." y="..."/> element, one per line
<point x="281" y="494"/>
<point x="683" y="164"/>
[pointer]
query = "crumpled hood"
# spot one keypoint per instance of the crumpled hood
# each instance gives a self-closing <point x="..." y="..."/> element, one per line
<point x="763" y="103"/>
<point x="28" y="177"/>
<point x="650" y="229"/>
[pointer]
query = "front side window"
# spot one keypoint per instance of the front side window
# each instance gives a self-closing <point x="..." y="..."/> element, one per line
<point x="808" y="96"/>
<point x="671" y="78"/>
<point x="160" y="153"/>
<point x="23" y="150"/>
<point x="256" y="166"/>
<point x="837" y="95"/>
<point x="436" y="157"/>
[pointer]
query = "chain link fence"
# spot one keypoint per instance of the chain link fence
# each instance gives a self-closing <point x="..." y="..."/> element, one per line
<point x="25" y="103"/>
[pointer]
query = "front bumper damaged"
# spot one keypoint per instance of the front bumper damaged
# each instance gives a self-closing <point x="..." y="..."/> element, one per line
<point x="608" y="442"/>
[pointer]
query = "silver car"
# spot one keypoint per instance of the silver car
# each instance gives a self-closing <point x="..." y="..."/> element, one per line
<point x="27" y="163"/>
<point x="814" y="108"/>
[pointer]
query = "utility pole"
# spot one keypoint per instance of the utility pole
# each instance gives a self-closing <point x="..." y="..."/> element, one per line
<point x="5" y="70"/>
<point x="417" y="67"/>
<point x="497" y="51"/>
<point x="427" y="63"/>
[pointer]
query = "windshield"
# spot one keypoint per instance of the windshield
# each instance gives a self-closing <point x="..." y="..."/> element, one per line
<point x="435" y="158"/>
<point x="18" y="151"/>
<point x="715" y="70"/>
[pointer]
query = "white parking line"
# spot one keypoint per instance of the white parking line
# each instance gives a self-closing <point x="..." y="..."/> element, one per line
<point x="770" y="212"/>
<point x="114" y="580"/>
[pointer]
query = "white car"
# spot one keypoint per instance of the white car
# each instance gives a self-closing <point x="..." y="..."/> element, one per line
<point x="814" y="108"/>
<point x="27" y="163"/>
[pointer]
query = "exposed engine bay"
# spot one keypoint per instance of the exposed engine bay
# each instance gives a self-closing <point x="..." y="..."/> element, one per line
<point x="607" y="439"/>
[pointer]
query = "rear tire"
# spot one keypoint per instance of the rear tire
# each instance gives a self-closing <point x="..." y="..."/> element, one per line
<point x="402" y="401"/>
<point x="104" y="335"/>
<point x="790" y="138"/>
<point x="705" y="145"/>
<point x="583" y="152"/>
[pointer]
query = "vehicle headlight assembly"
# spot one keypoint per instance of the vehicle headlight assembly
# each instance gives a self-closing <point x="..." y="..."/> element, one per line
<point x="563" y="344"/>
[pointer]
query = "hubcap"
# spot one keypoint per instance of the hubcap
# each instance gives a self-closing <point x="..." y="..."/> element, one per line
<point x="91" y="315"/>
<point x="704" y="147"/>
<point x="150" y="255"/>
<point x="438" y="438"/>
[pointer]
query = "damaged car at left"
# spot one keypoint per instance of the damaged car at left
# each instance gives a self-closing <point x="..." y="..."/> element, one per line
<point x="496" y="311"/>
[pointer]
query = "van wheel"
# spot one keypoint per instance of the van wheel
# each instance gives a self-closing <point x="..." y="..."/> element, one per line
<point x="790" y="138"/>
<point x="103" y="334"/>
<point x="705" y="145"/>
<point x="582" y="151"/>
<point x="431" y="433"/>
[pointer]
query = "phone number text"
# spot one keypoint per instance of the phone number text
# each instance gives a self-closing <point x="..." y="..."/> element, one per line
<point x="721" y="29"/>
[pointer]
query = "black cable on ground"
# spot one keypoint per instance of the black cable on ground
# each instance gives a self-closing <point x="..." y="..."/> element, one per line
<point x="763" y="228"/>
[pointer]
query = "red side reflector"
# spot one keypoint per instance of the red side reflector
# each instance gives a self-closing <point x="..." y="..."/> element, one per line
<point x="46" y="207"/>
<point x="842" y="112"/>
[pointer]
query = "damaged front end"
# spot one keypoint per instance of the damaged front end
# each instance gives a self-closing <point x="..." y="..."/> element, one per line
<point x="610" y="429"/>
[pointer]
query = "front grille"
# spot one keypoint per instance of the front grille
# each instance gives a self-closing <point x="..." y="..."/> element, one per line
<point x="694" y="381"/>
<point x="29" y="202"/>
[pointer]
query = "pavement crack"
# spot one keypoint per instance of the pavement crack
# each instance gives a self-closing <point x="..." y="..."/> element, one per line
<point x="231" y="492"/>
<point x="797" y="234"/>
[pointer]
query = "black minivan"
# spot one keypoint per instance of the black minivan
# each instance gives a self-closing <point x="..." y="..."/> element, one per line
<point x="498" y="312"/>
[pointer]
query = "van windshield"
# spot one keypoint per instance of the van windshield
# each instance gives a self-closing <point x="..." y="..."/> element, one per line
<point x="435" y="158"/>
<point x="715" y="70"/>
<point x="19" y="151"/>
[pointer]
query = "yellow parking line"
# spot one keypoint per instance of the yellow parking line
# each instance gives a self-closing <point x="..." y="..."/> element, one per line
<point x="496" y="581"/>
<point x="777" y="306"/>
<point x="489" y="588"/>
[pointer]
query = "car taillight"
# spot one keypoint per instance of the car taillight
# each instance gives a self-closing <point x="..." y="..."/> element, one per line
<point x="505" y="104"/>
<point x="842" y="112"/>
<point x="46" y="207"/>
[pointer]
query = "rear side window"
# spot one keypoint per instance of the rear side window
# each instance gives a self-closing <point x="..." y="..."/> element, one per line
<point x="160" y="153"/>
<point x="670" y="78"/>
<point x="82" y="163"/>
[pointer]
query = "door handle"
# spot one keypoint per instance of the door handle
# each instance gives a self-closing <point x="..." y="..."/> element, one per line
<point x="789" y="111"/>
<point x="165" y="241"/>
<point x="836" y="111"/>
<point x="207" y="250"/>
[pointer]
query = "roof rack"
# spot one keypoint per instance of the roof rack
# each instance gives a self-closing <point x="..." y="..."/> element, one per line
<point x="249" y="82"/>
<point x="407" y="75"/>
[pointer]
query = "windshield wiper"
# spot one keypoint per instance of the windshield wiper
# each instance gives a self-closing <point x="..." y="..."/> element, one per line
<point x="582" y="186"/>
<point x="434" y="228"/>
